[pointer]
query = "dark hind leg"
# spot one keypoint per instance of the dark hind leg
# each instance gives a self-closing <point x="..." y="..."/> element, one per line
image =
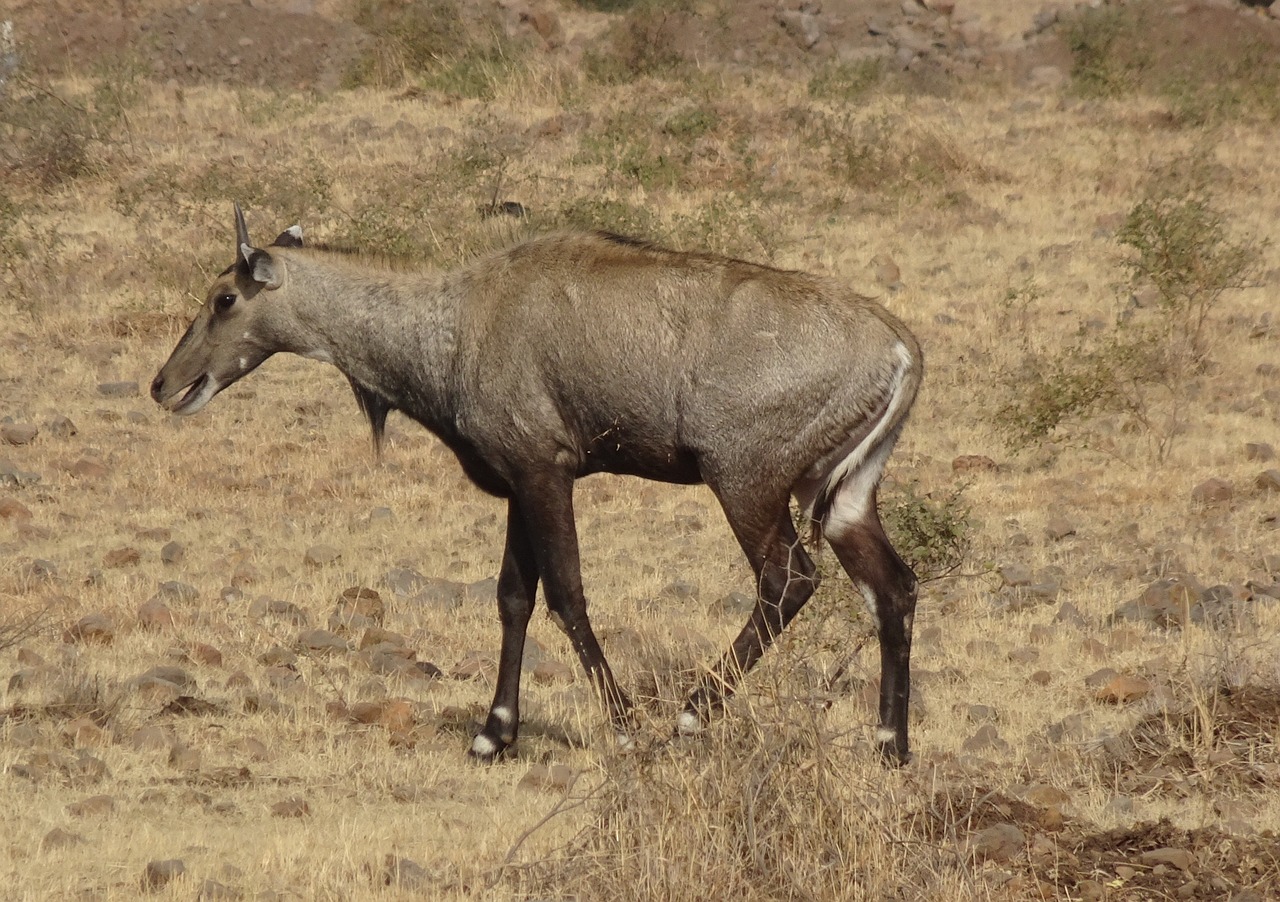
<point x="857" y="537"/>
<point x="785" y="578"/>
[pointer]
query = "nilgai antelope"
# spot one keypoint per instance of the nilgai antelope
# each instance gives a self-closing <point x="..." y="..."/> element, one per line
<point x="583" y="353"/>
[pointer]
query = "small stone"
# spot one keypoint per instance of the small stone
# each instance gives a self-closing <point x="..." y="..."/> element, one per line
<point x="974" y="463"/>
<point x="160" y="873"/>
<point x="998" y="843"/>
<point x="404" y="582"/>
<point x="173" y="553"/>
<point x="182" y="592"/>
<point x="1041" y="678"/>
<point x="481" y="590"/>
<point x="168" y="673"/>
<point x="15" y="510"/>
<point x="553" y="778"/>
<point x="1069" y="613"/>
<point x="549" y="672"/>
<point x="57" y="838"/>
<point x="213" y="891"/>
<point x="1213" y="491"/>
<point x="322" y="643"/>
<point x="1058" y="528"/>
<point x="60" y="426"/>
<point x="118" y="389"/>
<point x="397" y="716"/>
<point x="18" y="433"/>
<point x="291" y="807"/>
<point x="88" y="468"/>
<point x="127" y="556"/>
<point x="91" y="628"/>
<point x="150" y="738"/>
<point x="94" y="806"/>
<point x="155" y="615"/>
<point x="358" y="604"/>
<point x="440" y="592"/>
<point x="321" y="555"/>
<point x="1268" y="481"/>
<point x="1178" y="858"/>
<point x="1259" y="451"/>
<point x="1122" y="689"/>
<point x="1015" y="575"/>
<point x="475" y="665"/>
<point x="986" y="738"/>
<point x="184" y="758"/>
<point x="202" y="653"/>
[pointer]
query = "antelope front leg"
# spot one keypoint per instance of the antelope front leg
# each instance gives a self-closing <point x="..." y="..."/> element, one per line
<point x="517" y="587"/>
<point x="546" y="505"/>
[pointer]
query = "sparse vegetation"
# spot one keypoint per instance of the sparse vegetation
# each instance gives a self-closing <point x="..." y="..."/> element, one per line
<point x="933" y="534"/>
<point x="1179" y="248"/>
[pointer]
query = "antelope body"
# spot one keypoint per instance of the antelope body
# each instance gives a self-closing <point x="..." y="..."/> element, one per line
<point x="574" y="354"/>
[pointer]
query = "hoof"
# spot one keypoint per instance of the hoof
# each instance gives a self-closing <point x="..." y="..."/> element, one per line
<point x="892" y="752"/>
<point x="486" y="749"/>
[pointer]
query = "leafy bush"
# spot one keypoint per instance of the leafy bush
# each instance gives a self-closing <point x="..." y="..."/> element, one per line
<point x="932" y="534"/>
<point x="1179" y="246"/>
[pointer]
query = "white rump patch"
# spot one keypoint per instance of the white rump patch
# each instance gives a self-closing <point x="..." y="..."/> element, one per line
<point x="688" y="724"/>
<point x="483" y="747"/>
<point x="854" y="479"/>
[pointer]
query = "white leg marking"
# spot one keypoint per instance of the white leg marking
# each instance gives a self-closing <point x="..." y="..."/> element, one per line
<point x="688" y="723"/>
<point x="483" y="747"/>
<point x="502" y="713"/>
<point x="625" y="742"/>
<point x="244" y="363"/>
<point x="869" y="597"/>
<point x="884" y="734"/>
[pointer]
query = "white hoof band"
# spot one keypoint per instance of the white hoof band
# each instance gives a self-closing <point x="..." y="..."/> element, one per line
<point x="483" y="747"/>
<point x="688" y="724"/>
<point x="884" y="734"/>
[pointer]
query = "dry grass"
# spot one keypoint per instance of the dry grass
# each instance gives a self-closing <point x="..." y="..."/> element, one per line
<point x="991" y="189"/>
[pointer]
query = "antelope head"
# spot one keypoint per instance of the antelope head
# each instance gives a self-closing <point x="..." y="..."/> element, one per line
<point x="231" y="335"/>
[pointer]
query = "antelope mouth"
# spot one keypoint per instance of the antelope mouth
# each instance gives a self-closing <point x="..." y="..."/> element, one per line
<point x="196" y="396"/>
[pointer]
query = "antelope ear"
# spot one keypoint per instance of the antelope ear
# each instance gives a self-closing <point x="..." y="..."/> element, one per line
<point x="263" y="268"/>
<point x="290" y="237"/>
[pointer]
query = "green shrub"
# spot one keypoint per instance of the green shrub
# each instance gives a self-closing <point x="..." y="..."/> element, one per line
<point x="932" y="534"/>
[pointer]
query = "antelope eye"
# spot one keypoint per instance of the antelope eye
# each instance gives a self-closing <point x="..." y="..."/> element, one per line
<point x="223" y="302"/>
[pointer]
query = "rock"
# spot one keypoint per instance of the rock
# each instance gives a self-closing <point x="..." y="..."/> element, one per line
<point x="553" y="778"/>
<point x="398" y="716"/>
<point x="321" y="555"/>
<point x="57" y="838"/>
<point x="1122" y="689"/>
<point x="127" y="556"/>
<point x="481" y="590"/>
<point x="277" y="656"/>
<point x="151" y="738"/>
<point x="213" y="891"/>
<point x="94" y="806"/>
<point x="1041" y="678"/>
<point x="437" y="592"/>
<point x="118" y="389"/>
<point x="974" y="463"/>
<point x="1014" y="575"/>
<point x="291" y="807"/>
<point x="158" y="874"/>
<point x="200" y="653"/>
<point x="155" y="615"/>
<point x="1268" y="481"/>
<point x="173" y="553"/>
<point x="475" y="665"/>
<point x="83" y="733"/>
<point x="167" y="673"/>
<point x="998" y="843"/>
<point x="11" y="475"/>
<point x="1213" y="491"/>
<point x="406" y="874"/>
<point x="551" y="672"/>
<point x="91" y="628"/>
<point x="18" y="433"/>
<point x="986" y="738"/>
<point x="803" y="26"/>
<point x="1059" y="527"/>
<point x="15" y="510"/>
<point x="1069" y="613"/>
<point x="1178" y="858"/>
<point x="358" y="605"/>
<point x="1259" y="451"/>
<point x="376" y="635"/>
<point x="178" y="591"/>
<point x="404" y="582"/>
<point x="88" y="468"/>
<point x="886" y="272"/>
<point x="60" y="426"/>
<point x="322" y="643"/>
